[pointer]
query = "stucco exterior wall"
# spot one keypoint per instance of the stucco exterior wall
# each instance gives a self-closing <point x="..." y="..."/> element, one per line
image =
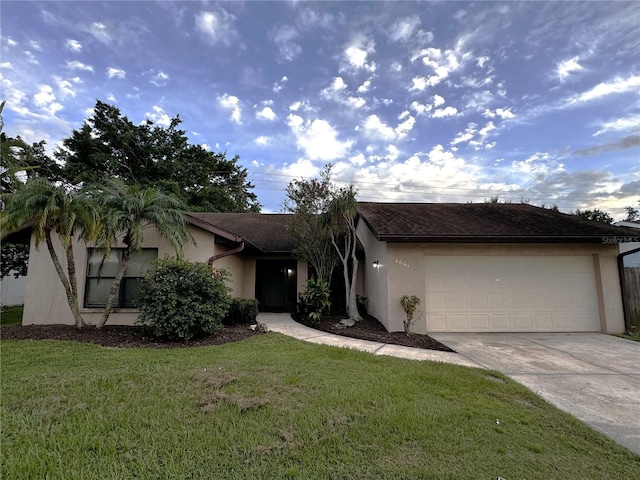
<point x="45" y="298"/>
<point x="405" y="267"/>
<point x="374" y="279"/>
<point x="46" y="301"/>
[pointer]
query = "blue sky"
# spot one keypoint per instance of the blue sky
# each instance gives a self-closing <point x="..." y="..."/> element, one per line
<point x="423" y="102"/>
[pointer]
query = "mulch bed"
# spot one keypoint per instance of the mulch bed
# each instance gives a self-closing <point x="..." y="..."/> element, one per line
<point x="371" y="329"/>
<point x="118" y="336"/>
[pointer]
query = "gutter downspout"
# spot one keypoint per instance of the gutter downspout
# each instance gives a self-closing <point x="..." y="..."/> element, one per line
<point x="226" y="254"/>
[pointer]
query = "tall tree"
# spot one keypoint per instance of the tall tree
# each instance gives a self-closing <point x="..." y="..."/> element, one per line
<point x="309" y="200"/>
<point x="342" y="214"/>
<point x="127" y="211"/>
<point x="632" y="214"/>
<point x="110" y="145"/>
<point x="53" y="209"/>
<point x="595" y="215"/>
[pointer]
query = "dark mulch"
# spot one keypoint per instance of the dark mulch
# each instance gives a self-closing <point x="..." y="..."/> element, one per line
<point x="118" y="336"/>
<point x="371" y="329"/>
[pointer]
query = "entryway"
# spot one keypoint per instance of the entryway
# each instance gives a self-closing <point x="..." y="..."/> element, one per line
<point x="276" y="285"/>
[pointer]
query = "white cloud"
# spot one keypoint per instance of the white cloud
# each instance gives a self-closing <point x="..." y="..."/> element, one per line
<point x="100" y="32"/>
<point x="357" y="53"/>
<point x="402" y="29"/>
<point x="31" y="58"/>
<point x="443" y="63"/>
<point x="215" y="27"/>
<point x="445" y="112"/>
<point x="356" y="102"/>
<point x="159" y="116"/>
<point x="115" y="72"/>
<point x="503" y="113"/>
<point x="75" y="65"/>
<point x="160" y="79"/>
<point x="375" y="127"/>
<point x="620" y="124"/>
<point x="364" y="88"/>
<point x="11" y="42"/>
<point x="73" y="45"/>
<point x="337" y="84"/>
<point x="64" y="87"/>
<point x="277" y="86"/>
<point x="266" y="114"/>
<point x="6" y="65"/>
<point x="465" y="136"/>
<point x="262" y="140"/>
<point x="231" y="102"/>
<point x="566" y="68"/>
<point x="35" y="45"/>
<point x="438" y="100"/>
<point x="405" y="127"/>
<point x="284" y="37"/>
<point x="44" y="96"/>
<point x="420" y="108"/>
<point x="46" y="100"/>
<point x="303" y="168"/>
<point x="418" y="83"/>
<point x="482" y="61"/>
<point x="488" y="128"/>
<point x="300" y="105"/>
<point x="618" y="85"/>
<point x="318" y="139"/>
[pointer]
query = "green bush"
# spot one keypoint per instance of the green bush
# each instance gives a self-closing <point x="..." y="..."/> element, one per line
<point x="242" y="310"/>
<point x="181" y="299"/>
<point x="315" y="301"/>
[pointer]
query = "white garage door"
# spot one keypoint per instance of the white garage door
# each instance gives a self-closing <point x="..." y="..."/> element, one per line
<point x="510" y="294"/>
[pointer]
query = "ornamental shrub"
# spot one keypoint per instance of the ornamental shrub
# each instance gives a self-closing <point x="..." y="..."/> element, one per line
<point x="180" y="299"/>
<point x="316" y="299"/>
<point x="242" y="310"/>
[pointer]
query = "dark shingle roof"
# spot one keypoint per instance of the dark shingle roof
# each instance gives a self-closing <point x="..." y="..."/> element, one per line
<point x="480" y="222"/>
<point x="265" y="232"/>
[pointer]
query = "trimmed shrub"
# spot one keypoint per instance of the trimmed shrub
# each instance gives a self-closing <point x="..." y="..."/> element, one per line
<point x="242" y="310"/>
<point x="182" y="299"/>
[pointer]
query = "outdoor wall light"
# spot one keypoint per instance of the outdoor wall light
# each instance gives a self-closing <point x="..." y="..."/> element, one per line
<point x="376" y="264"/>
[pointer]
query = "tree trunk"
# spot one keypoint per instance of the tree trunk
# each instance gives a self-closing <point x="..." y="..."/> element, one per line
<point x="352" y="301"/>
<point x="115" y="286"/>
<point x="72" y="295"/>
<point x="349" y="284"/>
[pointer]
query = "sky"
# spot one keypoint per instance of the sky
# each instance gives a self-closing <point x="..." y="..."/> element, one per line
<point x="414" y="101"/>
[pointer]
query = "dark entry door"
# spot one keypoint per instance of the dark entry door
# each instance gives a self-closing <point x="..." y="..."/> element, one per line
<point x="276" y="285"/>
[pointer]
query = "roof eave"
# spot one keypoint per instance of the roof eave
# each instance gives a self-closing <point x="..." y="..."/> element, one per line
<point x="400" y="238"/>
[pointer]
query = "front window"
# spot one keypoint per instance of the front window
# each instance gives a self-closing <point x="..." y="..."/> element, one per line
<point x="99" y="280"/>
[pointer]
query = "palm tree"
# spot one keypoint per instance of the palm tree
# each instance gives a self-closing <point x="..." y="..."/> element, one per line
<point x="51" y="208"/>
<point x="128" y="210"/>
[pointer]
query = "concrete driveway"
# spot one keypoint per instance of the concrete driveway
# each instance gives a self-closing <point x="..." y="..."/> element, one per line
<point x="592" y="376"/>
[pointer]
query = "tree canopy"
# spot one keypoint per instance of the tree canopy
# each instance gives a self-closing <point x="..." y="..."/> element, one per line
<point x="109" y="145"/>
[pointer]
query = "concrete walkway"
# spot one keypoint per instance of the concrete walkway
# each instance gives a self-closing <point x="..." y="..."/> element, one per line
<point x="283" y="323"/>
<point x="594" y="377"/>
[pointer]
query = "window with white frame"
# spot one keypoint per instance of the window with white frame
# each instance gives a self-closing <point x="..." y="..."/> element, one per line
<point x="101" y="271"/>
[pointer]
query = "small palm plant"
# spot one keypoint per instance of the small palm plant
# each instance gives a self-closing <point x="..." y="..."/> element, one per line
<point x="409" y="304"/>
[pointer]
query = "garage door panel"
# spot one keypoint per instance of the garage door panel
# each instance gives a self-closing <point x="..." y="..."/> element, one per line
<point x="511" y="293"/>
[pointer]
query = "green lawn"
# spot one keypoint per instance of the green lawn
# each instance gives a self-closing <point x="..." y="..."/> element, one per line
<point x="272" y="407"/>
<point x="11" y="315"/>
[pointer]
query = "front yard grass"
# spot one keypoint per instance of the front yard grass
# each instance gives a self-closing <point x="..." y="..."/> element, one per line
<point x="275" y="407"/>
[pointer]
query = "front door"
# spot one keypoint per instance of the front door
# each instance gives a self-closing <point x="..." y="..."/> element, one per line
<point x="276" y="285"/>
